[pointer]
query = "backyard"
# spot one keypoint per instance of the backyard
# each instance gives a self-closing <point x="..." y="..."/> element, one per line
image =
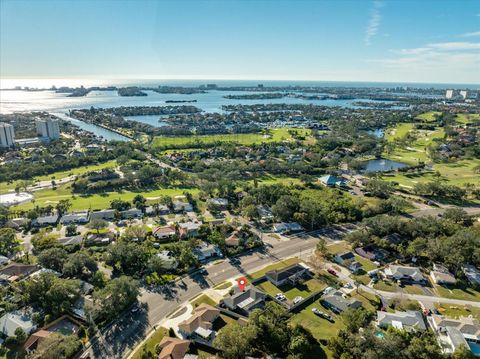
<point x="303" y="290"/>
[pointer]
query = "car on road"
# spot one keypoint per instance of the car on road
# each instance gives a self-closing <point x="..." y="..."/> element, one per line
<point x="297" y="300"/>
<point x="234" y="260"/>
<point x="203" y="271"/>
<point x="323" y="315"/>
<point x="280" y="297"/>
<point x="332" y="272"/>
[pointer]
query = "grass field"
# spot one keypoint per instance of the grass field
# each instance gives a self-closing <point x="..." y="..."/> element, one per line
<point x="5" y="186"/>
<point x="457" y="173"/>
<point x="203" y="299"/>
<point x="304" y="290"/>
<point x="281" y="264"/>
<point x="150" y="343"/>
<point x="455" y="311"/>
<point x="456" y="292"/>
<point x="428" y="116"/>
<point x="276" y="135"/>
<point x="96" y="201"/>
<point x="468" y="118"/>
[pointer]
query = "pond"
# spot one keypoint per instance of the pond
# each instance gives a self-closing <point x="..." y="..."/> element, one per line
<point x="378" y="133"/>
<point x="383" y="165"/>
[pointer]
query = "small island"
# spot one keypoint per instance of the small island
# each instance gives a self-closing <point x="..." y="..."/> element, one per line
<point x="131" y="91"/>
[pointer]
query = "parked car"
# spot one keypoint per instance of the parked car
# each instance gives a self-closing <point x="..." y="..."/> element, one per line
<point x="280" y="297"/>
<point x="327" y="290"/>
<point x="323" y="315"/>
<point x="297" y="300"/>
<point x="332" y="272"/>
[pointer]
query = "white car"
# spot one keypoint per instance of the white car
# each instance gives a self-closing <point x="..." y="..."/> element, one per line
<point x="280" y="297"/>
<point x="327" y="290"/>
<point x="297" y="300"/>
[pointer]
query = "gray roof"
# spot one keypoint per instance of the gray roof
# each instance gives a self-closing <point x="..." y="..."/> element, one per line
<point x="409" y="319"/>
<point x="247" y="299"/>
<point x="13" y="320"/>
<point x="336" y="300"/>
<point x="281" y="274"/>
<point x="68" y="241"/>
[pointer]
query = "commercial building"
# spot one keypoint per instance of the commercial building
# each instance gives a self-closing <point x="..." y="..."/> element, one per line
<point x="48" y="129"/>
<point x="7" y="135"/>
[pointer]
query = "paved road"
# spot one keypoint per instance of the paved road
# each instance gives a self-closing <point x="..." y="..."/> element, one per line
<point x="132" y="328"/>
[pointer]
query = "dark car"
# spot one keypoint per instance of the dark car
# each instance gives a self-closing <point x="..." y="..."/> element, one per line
<point x="332" y="272"/>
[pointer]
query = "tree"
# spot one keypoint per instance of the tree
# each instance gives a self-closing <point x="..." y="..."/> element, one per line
<point x="134" y="233"/>
<point x="71" y="230"/>
<point x="463" y="353"/>
<point x="58" y="346"/>
<point x="98" y="224"/>
<point x="20" y="335"/>
<point x="355" y="319"/>
<point x="285" y="207"/>
<point x="321" y="247"/>
<point x="378" y="188"/>
<point x="3" y="214"/>
<point x="9" y="244"/>
<point x="53" y="258"/>
<point x="116" y="296"/>
<point x="44" y="240"/>
<point x="139" y="202"/>
<point x="120" y="205"/>
<point x="458" y="216"/>
<point x="218" y="239"/>
<point x="54" y="295"/>
<point x="62" y="206"/>
<point x="127" y="257"/>
<point x="235" y="340"/>
<point x="81" y="265"/>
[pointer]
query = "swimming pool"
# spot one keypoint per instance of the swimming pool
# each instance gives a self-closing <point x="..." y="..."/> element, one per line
<point x="380" y="335"/>
<point x="475" y="348"/>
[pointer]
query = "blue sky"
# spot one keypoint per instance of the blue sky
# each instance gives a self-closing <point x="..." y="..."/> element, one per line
<point x="408" y="41"/>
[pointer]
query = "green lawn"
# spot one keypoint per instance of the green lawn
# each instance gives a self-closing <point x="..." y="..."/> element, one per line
<point x="275" y="135"/>
<point x="281" y="264"/>
<point x="457" y="292"/>
<point x="304" y="290"/>
<point x="95" y="201"/>
<point x="150" y="343"/>
<point x="456" y="311"/>
<point x="457" y="173"/>
<point x="468" y="118"/>
<point x="398" y="132"/>
<point x="386" y="286"/>
<point x="5" y="186"/>
<point x="203" y="299"/>
<point x="223" y="285"/>
<point x="428" y="116"/>
<point x="339" y="248"/>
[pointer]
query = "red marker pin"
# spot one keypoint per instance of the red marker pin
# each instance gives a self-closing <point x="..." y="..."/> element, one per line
<point x="242" y="283"/>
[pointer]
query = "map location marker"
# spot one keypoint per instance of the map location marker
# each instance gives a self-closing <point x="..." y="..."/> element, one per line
<point x="242" y="283"/>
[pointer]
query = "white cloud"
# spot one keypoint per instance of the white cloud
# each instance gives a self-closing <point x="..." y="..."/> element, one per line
<point x="373" y="22"/>
<point x="449" y="46"/>
<point x="471" y="34"/>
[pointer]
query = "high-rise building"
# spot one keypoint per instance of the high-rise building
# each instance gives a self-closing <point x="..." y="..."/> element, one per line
<point x="7" y="135"/>
<point x="449" y="94"/>
<point x="48" y="128"/>
<point x="464" y="94"/>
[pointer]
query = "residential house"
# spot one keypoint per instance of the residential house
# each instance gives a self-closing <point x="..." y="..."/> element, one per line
<point x="244" y="302"/>
<point x="154" y="210"/>
<point x="409" y="321"/>
<point x="218" y="202"/>
<point x="233" y="240"/>
<point x="355" y="267"/>
<point x="71" y="241"/>
<point x="4" y="260"/>
<point x="337" y="303"/>
<point x="288" y="275"/>
<point x="34" y="340"/>
<point x="472" y="273"/>
<point x="200" y="324"/>
<point x="189" y="229"/>
<point x="105" y="214"/>
<point x="15" y="271"/>
<point x="264" y="213"/>
<point x="453" y="333"/>
<point x="164" y="233"/>
<point x="344" y="258"/>
<point x="179" y="206"/>
<point x="287" y="227"/>
<point x="75" y="218"/>
<point x="332" y="181"/>
<point x="372" y="252"/>
<point x="49" y="220"/>
<point x="17" y="319"/>
<point x="173" y="348"/>
<point x="404" y="273"/>
<point x="441" y="275"/>
<point x="205" y="251"/>
<point x="168" y="259"/>
<point x="131" y="213"/>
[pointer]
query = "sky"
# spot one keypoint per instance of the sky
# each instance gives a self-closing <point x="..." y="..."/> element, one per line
<point x="362" y="40"/>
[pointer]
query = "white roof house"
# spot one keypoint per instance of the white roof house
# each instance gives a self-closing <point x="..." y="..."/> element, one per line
<point x="404" y="273"/>
<point x="13" y="320"/>
<point x="441" y="275"/>
<point x="409" y="320"/>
